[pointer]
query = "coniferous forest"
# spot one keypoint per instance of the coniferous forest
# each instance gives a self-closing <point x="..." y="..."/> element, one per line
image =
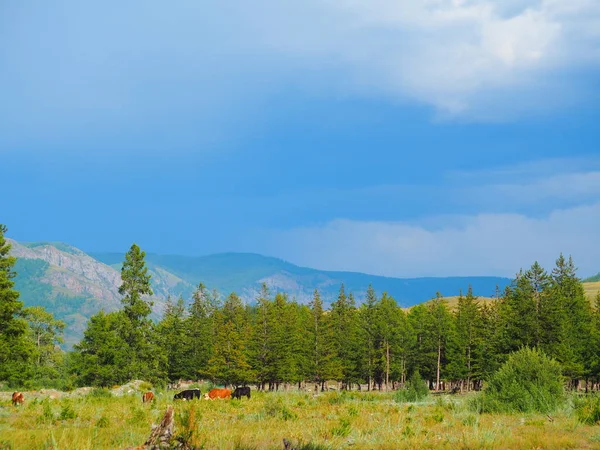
<point x="376" y="345"/>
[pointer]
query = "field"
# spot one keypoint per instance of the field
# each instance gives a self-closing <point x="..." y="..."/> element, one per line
<point x="356" y="420"/>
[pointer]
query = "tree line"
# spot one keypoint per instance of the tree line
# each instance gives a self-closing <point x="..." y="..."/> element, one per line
<point x="277" y="340"/>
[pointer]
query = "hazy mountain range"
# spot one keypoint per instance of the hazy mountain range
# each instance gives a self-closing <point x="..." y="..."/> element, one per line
<point x="73" y="284"/>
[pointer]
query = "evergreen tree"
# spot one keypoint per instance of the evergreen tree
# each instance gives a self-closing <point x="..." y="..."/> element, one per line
<point x="102" y="357"/>
<point x="464" y="360"/>
<point x="441" y="330"/>
<point x="136" y="284"/>
<point x="175" y="341"/>
<point x="574" y="318"/>
<point x="322" y="366"/>
<point x="16" y="350"/>
<point x="368" y="330"/>
<point x="393" y="341"/>
<point x="230" y="361"/>
<point x="593" y="350"/>
<point x="200" y="328"/>
<point x="344" y="321"/>
<point x="147" y="358"/>
<point x="423" y="355"/>
<point x="262" y="341"/>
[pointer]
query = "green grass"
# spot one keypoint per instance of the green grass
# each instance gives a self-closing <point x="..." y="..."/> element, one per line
<point x="327" y="421"/>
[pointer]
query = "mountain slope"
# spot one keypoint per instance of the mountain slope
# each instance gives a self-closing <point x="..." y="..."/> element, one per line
<point x="243" y="273"/>
<point x="73" y="285"/>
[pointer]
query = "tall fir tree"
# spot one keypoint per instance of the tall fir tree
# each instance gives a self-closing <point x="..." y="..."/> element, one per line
<point x="230" y="361"/>
<point x="441" y="330"/>
<point x="323" y="365"/>
<point x="574" y="319"/>
<point x="102" y="358"/>
<point x="464" y="350"/>
<point x="368" y="335"/>
<point x="344" y="320"/>
<point x="16" y="350"/>
<point x="147" y="358"/>
<point x="175" y="341"/>
<point x="200" y="328"/>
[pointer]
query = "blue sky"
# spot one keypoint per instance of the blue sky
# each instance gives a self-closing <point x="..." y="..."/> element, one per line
<point x="401" y="138"/>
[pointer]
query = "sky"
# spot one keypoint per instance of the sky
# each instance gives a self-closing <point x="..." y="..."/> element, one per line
<point x="395" y="137"/>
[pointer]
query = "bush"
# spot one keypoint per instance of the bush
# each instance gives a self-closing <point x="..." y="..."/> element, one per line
<point x="528" y="382"/>
<point x="100" y="393"/>
<point x="416" y="389"/>
<point x="67" y="412"/>
<point x="587" y="409"/>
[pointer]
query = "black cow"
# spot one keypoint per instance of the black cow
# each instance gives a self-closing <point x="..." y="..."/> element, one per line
<point x="188" y="394"/>
<point x="241" y="391"/>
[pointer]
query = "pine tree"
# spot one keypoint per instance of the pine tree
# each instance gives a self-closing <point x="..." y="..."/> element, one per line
<point x="322" y="366"/>
<point x="102" y="358"/>
<point x="368" y="329"/>
<point x="463" y="352"/>
<point x="200" y="329"/>
<point x="262" y="345"/>
<point x="574" y="319"/>
<point x="393" y="339"/>
<point x="175" y="341"/>
<point x="15" y="349"/>
<point x="230" y="361"/>
<point x="147" y="359"/>
<point x="136" y="284"/>
<point x="441" y="329"/>
<point x="344" y="321"/>
<point x="423" y="355"/>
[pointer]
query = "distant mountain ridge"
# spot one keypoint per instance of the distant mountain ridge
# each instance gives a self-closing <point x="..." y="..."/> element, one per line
<point x="74" y="285"/>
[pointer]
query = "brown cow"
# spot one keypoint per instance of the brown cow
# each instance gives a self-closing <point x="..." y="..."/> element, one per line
<point x="217" y="393"/>
<point x="147" y="397"/>
<point x="18" y="398"/>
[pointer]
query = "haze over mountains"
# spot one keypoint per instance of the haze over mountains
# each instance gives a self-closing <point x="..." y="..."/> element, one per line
<point x="74" y="285"/>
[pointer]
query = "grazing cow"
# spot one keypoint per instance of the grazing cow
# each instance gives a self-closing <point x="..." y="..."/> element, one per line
<point x="241" y="392"/>
<point x="188" y="394"/>
<point x="18" y="398"/>
<point x="147" y="397"/>
<point x="217" y="393"/>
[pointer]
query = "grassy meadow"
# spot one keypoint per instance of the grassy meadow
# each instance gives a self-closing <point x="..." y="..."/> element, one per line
<point x="356" y="420"/>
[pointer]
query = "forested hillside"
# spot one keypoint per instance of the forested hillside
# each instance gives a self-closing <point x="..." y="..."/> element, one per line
<point x="74" y="285"/>
<point x="277" y="340"/>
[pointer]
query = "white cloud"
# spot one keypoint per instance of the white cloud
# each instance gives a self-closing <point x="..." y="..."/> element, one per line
<point x="468" y="57"/>
<point x="485" y="244"/>
<point x="73" y="66"/>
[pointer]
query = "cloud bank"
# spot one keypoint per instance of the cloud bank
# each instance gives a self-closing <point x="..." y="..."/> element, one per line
<point x="484" y="244"/>
<point x="498" y="241"/>
<point x="187" y="73"/>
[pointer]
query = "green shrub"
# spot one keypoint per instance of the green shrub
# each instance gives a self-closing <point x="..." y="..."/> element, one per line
<point x="103" y="422"/>
<point x="416" y="389"/>
<point x="587" y="409"/>
<point x="145" y="386"/>
<point x="528" y="382"/>
<point x="343" y="429"/>
<point x="67" y="412"/>
<point x="47" y="414"/>
<point x="276" y="408"/>
<point x="100" y="393"/>
<point x="338" y="398"/>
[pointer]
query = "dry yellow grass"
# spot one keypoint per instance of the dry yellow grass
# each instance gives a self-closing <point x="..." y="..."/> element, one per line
<point x="357" y="420"/>
<point x="591" y="290"/>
